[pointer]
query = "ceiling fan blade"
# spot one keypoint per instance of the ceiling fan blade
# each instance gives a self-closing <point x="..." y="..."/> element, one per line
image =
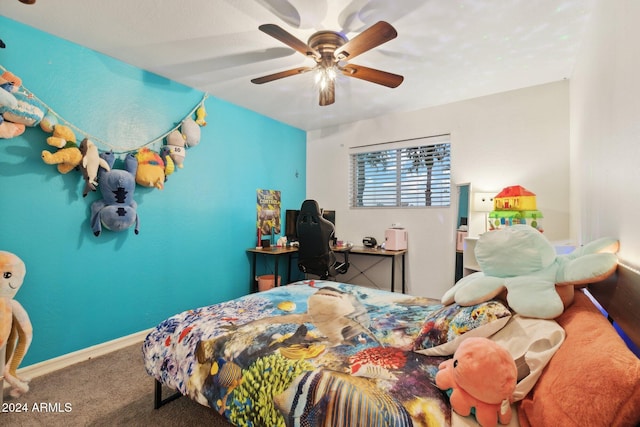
<point x="377" y="34"/>
<point x="372" y="75"/>
<point x="288" y="39"/>
<point x="280" y="75"/>
<point x="328" y="94"/>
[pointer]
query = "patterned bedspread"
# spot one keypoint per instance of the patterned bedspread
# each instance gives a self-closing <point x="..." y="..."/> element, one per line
<point x="310" y="353"/>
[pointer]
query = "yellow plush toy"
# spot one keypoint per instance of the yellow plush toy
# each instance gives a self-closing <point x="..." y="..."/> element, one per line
<point x="68" y="155"/>
<point x="151" y="169"/>
<point x="15" y="327"/>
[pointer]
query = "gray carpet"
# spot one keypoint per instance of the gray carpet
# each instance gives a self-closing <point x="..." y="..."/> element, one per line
<point x="110" y="390"/>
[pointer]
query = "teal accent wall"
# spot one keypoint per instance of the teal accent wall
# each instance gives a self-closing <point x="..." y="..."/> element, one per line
<point x="81" y="290"/>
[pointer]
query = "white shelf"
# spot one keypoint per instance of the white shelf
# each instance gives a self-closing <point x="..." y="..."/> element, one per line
<point x="469" y="262"/>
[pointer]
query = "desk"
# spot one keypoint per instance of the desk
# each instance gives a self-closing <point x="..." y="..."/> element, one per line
<point x="362" y="250"/>
<point x="358" y="250"/>
<point x="275" y="252"/>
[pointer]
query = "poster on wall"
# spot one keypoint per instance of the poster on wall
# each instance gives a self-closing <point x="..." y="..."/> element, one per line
<point x="268" y="212"/>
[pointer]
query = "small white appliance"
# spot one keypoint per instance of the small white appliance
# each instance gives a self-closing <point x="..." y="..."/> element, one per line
<point x="395" y="239"/>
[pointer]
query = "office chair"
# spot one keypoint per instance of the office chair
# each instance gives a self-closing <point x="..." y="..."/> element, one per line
<point x="315" y="234"/>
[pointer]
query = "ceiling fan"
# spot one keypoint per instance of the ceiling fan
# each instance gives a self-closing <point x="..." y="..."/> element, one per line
<point x="332" y="50"/>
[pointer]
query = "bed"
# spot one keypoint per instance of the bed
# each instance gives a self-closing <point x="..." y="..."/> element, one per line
<point x="329" y="353"/>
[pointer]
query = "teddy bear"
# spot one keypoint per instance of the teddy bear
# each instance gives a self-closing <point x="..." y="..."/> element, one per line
<point x="15" y="326"/>
<point x="68" y="155"/>
<point x="520" y="261"/>
<point x="480" y="379"/>
<point x="117" y="210"/>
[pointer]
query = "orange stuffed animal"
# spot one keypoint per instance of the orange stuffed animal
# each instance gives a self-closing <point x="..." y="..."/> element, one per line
<point x="481" y="376"/>
<point x="15" y="327"/>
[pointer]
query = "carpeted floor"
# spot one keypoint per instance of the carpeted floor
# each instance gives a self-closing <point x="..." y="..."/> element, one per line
<point x="111" y="390"/>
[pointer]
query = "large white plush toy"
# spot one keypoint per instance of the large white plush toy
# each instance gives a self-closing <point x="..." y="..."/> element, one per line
<point x="520" y="261"/>
<point x="15" y="327"/>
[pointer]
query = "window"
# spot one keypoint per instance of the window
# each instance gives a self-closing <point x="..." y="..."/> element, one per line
<point x="414" y="173"/>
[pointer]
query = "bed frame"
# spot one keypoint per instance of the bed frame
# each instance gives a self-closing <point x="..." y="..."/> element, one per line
<point x="619" y="296"/>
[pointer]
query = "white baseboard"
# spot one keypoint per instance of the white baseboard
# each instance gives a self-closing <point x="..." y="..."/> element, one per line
<point x="51" y="365"/>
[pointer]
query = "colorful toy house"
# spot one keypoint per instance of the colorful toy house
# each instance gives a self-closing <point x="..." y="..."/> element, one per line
<point x="514" y="205"/>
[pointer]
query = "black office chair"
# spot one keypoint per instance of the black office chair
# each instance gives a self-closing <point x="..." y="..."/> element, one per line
<point x="315" y="234"/>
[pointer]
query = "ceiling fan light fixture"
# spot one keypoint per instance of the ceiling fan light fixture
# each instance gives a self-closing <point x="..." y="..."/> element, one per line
<point x="324" y="75"/>
<point x="332" y="50"/>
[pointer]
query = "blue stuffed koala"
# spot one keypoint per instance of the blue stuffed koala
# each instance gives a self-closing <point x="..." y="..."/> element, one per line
<point x="117" y="210"/>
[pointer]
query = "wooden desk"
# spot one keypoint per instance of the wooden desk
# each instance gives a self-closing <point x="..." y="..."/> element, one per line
<point x="363" y="250"/>
<point x="357" y="250"/>
<point x="275" y="252"/>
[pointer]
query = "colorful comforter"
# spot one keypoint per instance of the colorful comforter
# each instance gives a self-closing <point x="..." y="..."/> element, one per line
<point x="309" y="353"/>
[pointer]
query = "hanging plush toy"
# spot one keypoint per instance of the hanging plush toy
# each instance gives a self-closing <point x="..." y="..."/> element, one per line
<point x="68" y="156"/>
<point x="8" y="85"/>
<point x="176" y="146"/>
<point x="190" y="131"/>
<point x="201" y="114"/>
<point x="151" y="169"/>
<point x="91" y="161"/>
<point x="117" y="210"/>
<point x="15" y="327"/>
<point x="169" y="164"/>
<point x="27" y="110"/>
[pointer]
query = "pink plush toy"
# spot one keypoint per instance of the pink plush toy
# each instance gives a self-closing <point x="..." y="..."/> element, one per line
<point x="482" y="375"/>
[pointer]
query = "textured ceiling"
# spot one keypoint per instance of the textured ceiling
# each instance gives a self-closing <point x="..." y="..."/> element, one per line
<point x="447" y="50"/>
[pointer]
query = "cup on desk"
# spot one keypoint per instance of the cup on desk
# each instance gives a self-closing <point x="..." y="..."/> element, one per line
<point x="265" y="243"/>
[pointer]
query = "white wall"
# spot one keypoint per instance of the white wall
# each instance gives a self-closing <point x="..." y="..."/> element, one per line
<point x="518" y="137"/>
<point x="605" y="129"/>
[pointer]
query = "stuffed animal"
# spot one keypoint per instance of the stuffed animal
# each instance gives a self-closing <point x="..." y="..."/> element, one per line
<point x="176" y="145"/>
<point x="9" y="83"/>
<point x="151" y="169"/>
<point x="538" y="283"/>
<point x="481" y="378"/>
<point x="201" y="114"/>
<point x="68" y="156"/>
<point x="169" y="165"/>
<point x="15" y="326"/>
<point x="48" y="122"/>
<point x="27" y="110"/>
<point x="10" y="130"/>
<point x="117" y="210"/>
<point x="190" y="131"/>
<point x="91" y="161"/>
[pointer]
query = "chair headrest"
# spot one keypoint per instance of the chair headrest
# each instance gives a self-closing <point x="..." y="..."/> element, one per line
<point x="311" y="206"/>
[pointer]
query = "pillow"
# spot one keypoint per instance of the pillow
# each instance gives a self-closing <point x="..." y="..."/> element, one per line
<point x="593" y="379"/>
<point x="532" y="343"/>
<point x="444" y="329"/>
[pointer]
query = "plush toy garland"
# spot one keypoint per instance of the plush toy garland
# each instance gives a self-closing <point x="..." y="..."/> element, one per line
<point x="21" y="108"/>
